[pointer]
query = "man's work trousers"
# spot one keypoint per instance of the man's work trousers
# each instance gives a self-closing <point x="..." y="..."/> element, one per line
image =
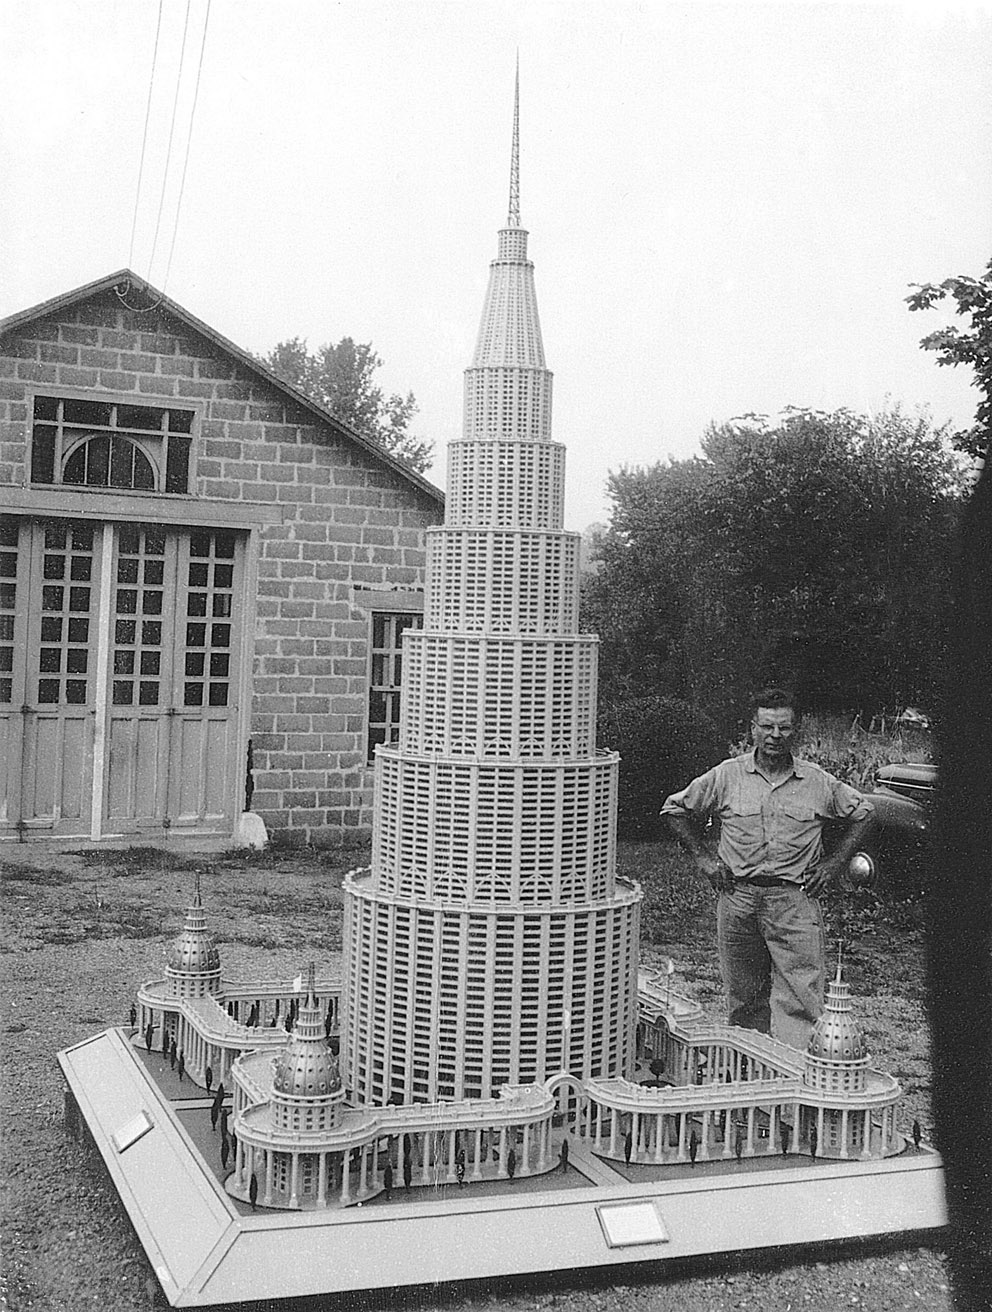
<point x="772" y="959"/>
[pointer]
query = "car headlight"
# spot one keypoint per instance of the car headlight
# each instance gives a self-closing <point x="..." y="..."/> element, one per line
<point x="861" y="870"/>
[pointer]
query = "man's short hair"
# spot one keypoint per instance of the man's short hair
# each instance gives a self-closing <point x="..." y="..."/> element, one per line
<point x="774" y="699"/>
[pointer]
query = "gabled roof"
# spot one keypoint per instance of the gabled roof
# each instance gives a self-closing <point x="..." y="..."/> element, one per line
<point x="114" y="280"/>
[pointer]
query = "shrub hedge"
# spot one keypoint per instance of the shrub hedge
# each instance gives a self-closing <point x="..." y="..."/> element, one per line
<point x="663" y="743"/>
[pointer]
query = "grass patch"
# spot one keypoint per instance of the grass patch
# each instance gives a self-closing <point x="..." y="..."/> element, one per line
<point x="292" y="904"/>
<point x="14" y="872"/>
<point x="131" y="920"/>
<point x="322" y="935"/>
<point x="677" y="901"/>
<point x="128" y="921"/>
<point x="60" y="936"/>
<point x="129" y="861"/>
<point x="136" y="860"/>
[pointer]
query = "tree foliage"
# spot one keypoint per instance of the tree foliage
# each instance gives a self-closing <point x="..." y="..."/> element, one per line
<point x="812" y="551"/>
<point x="341" y="377"/>
<point x="973" y="297"/>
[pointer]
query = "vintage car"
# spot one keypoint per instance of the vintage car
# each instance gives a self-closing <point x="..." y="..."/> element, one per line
<point x="893" y="858"/>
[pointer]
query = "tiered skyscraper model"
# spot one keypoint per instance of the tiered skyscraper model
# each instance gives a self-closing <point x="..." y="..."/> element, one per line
<point x="491" y="941"/>
<point x="490" y="951"/>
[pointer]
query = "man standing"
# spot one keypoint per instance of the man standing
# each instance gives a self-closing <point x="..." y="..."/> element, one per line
<point x="769" y="868"/>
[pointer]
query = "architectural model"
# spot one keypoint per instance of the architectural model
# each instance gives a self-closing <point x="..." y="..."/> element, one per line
<point x="490" y="1007"/>
<point x="310" y="1143"/>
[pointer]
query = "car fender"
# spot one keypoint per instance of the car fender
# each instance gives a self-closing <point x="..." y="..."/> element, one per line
<point x="896" y="815"/>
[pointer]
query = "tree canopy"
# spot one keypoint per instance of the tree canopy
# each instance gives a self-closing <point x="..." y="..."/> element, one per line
<point x="340" y="377"/>
<point x="973" y="297"/>
<point x="812" y="550"/>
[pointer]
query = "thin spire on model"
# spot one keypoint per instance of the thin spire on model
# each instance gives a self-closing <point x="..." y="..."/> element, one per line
<point x="513" y="218"/>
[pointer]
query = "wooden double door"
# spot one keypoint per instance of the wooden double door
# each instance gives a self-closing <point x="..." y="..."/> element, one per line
<point x="121" y="666"/>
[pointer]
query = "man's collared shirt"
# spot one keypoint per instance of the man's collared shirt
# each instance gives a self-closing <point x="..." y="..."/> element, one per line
<point x="769" y="829"/>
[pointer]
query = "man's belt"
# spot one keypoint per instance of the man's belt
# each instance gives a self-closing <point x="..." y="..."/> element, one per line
<point x="770" y="881"/>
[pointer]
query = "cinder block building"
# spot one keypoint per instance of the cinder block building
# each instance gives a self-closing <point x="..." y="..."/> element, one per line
<point x="204" y="579"/>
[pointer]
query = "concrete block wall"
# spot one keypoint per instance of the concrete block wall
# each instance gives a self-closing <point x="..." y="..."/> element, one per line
<point x="348" y="522"/>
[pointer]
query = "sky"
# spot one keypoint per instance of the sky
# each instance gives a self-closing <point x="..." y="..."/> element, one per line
<point x="727" y="203"/>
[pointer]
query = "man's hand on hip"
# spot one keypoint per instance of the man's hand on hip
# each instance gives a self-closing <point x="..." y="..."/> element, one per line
<point x="827" y="872"/>
<point x="715" y="871"/>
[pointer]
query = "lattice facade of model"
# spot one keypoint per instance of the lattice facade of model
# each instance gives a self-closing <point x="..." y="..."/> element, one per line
<point x="441" y="830"/>
<point x="501" y="581"/>
<point x="499" y="697"/>
<point x="491" y="942"/>
<point x="470" y="999"/>
<point x="502" y="484"/>
<point x="508" y="403"/>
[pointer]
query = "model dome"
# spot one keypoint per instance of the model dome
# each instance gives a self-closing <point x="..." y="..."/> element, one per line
<point x="836" y="1035"/>
<point x="306" y="1067"/>
<point x="194" y="953"/>
<point x="194" y="950"/>
<point x="306" y="1073"/>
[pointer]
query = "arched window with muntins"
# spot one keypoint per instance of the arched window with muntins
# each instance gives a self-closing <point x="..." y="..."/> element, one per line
<point x="109" y="444"/>
<point x="109" y="461"/>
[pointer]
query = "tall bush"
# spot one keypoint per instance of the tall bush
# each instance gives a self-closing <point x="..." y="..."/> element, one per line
<point x="663" y="743"/>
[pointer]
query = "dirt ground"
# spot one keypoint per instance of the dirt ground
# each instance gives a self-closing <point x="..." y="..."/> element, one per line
<point x="81" y="931"/>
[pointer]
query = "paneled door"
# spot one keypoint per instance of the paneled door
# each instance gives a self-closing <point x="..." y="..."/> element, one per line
<point x="120" y="667"/>
<point x="48" y="688"/>
<point x="173" y="722"/>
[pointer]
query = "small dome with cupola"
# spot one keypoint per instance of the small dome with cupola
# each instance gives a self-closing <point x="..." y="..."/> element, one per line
<point x="306" y="1084"/>
<point x="194" y="962"/>
<point x="836" y="1055"/>
<point x="306" y="1073"/>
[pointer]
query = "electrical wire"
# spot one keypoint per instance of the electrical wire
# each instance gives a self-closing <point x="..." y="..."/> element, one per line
<point x="172" y="129"/>
<point x="189" y="138"/>
<point x="144" y="139"/>
<point x="121" y="292"/>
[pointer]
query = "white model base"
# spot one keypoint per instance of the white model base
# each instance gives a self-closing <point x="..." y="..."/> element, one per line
<point x="205" y="1250"/>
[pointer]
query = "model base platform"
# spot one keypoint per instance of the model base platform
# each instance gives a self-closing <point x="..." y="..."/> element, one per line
<point x="209" y="1249"/>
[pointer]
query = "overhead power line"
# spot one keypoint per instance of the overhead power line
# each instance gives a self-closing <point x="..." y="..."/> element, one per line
<point x="168" y="149"/>
<point x="189" y="138"/>
<point x="144" y="138"/>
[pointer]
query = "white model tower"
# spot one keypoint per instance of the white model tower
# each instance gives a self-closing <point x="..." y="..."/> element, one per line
<point x="491" y="941"/>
